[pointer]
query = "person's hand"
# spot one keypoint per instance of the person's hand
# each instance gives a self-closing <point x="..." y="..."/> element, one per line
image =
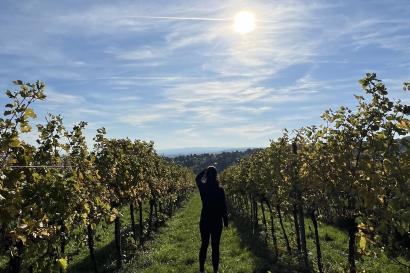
<point x="204" y="176"/>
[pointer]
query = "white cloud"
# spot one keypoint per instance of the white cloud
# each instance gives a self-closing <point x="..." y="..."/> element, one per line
<point x="56" y="97"/>
<point x="189" y="132"/>
<point x="250" y="131"/>
<point x="139" y="119"/>
<point x="88" y="111"/>
<point x="127" y="99"/>
<point x="146" y="65"/>
<point x="138" y="55"/>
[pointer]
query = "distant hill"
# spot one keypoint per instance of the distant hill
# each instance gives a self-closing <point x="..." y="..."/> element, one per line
<point x="198" y="150"/>
<point x="221" y="160"/>
<point x="198" y="158"/>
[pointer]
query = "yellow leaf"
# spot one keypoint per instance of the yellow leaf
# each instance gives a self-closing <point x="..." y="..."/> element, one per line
<point x="30" y="113"/>
<point x="63" y="264"/>
<point x="22" y="238"/>
<point x="361" y="226"/>
<point x="25" y="128"/>
<point x="112" y="217"/>
<point x="23" y="226"/>
<point x="362" y="243"/>
<point x="86" y="208"/>
<point x="404" y="124"/>
<point x="15" y="142"/>
<point x="115" y="211"/>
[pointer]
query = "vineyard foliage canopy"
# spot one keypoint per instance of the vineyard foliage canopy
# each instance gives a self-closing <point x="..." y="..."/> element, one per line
<point x="58" y="186"/>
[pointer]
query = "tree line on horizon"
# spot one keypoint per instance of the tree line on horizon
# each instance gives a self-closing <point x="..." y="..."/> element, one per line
<point x="221" y="160"/>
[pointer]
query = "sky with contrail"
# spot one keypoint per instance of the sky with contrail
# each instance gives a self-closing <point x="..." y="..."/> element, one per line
<point x="176" y="73"/>
<point x="180" y="18"/>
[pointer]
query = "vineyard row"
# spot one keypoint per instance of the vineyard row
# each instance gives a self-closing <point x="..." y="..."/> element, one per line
<point x="50" y="190"/>
<point x="354" y="170"/>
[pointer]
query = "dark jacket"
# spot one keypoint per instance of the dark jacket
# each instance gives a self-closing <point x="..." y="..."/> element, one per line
<point x="213" y="202"/>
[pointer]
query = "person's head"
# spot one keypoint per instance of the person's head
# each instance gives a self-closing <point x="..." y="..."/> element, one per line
<point x="211" y="176"/>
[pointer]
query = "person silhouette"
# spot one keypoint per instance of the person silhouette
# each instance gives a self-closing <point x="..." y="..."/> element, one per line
<point x="213" y="213"/>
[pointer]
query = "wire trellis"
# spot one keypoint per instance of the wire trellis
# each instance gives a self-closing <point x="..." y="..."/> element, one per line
<point x="41" y="166"/>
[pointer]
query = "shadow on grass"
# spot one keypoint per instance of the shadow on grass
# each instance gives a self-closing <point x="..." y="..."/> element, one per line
<point x="265" y="257"/>
<point x="106" y="255"/>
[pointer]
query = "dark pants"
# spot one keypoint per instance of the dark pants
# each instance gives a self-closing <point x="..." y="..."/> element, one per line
<point x="214" y="231"/>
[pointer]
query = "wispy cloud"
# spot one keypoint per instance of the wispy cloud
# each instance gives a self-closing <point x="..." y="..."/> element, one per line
<point x="127" y="99"/>
<point x="56" y="97"/>
<point x="250" y="131"/>
<point x="181" y="18"/>
<point x="139" y="119"/>
<point x="178" y="69"/>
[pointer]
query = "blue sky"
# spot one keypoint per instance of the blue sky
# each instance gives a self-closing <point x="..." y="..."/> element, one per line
<point x="196" y="82"/>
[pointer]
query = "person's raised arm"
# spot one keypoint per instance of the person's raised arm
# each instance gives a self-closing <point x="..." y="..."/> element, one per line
<point x="199" y="178"/>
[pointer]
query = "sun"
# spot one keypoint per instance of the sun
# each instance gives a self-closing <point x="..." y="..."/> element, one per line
<point x="244" y="22"/>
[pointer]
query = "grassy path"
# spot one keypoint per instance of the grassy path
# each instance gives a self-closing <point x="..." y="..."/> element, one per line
<point x="176" y="248"/>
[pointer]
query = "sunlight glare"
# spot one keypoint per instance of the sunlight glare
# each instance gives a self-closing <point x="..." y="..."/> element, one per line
<point x="244" y="22"/>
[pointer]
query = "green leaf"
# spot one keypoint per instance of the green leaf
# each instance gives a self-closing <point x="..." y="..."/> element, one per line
<point x="86" y="208"/>
<point x="15" y="142"/>
<point x="358" y="97"/>
<point x="22" y="238"/>
<point x="111" y="218"/>
<point x="25" y="128"/>
<point x="30" y="113"/>
<point x="18" y="82"/>
<point x="9" y="94"/>
<point x="362" y="242"/>
<point x="63" y="264"/>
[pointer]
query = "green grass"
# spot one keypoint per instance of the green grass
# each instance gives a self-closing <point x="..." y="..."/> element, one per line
<point x="4" y="260"/>
<point x="176" y="248"/>
<point x="77" y="250"/>
<point x="334" y="244"/>
<point x="334" y="248"/>
<point x="105" y="245"/>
